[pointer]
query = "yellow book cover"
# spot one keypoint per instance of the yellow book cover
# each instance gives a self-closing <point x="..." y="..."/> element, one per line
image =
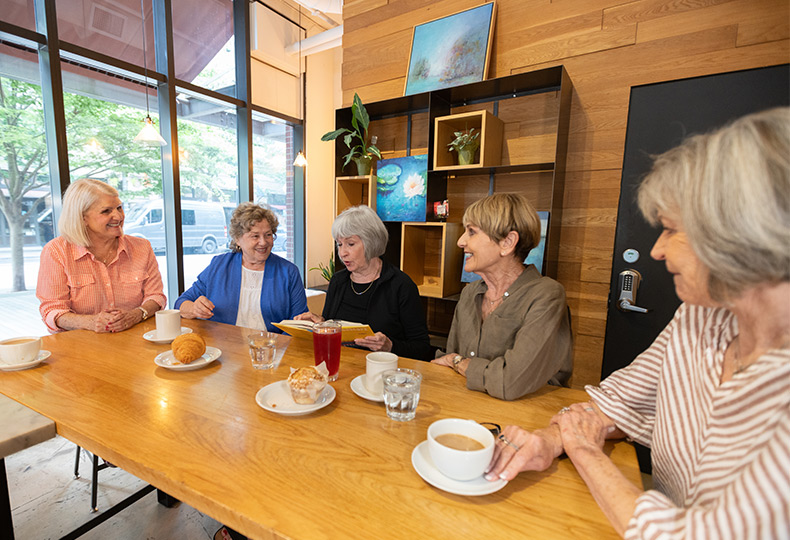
<point x="304" y="329"/>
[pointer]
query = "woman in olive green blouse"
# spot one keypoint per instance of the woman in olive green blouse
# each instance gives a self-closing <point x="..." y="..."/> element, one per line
<point x="511" y="330"/>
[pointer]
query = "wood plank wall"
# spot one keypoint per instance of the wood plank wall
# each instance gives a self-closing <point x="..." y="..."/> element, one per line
<point x="607" y="46"/>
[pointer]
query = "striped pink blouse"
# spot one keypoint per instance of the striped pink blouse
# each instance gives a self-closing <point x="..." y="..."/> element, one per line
<point x="70" y="279"/>
<point x="720" y="452"/>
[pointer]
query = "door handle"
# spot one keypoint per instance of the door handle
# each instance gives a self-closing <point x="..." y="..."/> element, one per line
<point x="629" y="284"/>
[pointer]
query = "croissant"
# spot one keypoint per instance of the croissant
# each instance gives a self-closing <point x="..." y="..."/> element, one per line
<point x="188" y="348"/>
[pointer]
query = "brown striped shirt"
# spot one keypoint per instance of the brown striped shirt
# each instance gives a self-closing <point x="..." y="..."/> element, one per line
<point x="720" y="451"/>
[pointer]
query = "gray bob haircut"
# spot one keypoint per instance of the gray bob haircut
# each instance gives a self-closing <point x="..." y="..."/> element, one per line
<point x="79" y="197"/>
<point x="362" y="221"/>
<point x="730" y="190"/>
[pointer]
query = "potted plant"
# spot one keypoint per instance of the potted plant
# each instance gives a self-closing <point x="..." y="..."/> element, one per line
<point x="466" y="144"/>
<point x="326" y="271"/>
<point x="360" y="151"/>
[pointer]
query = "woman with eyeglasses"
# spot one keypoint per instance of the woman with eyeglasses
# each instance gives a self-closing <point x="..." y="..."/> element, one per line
<point x="249" y="286"/>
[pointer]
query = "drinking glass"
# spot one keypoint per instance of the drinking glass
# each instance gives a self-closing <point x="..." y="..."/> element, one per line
<point x="326" y="346"/>
<point x="263" y="349"/>
<point x="401" y="393"/>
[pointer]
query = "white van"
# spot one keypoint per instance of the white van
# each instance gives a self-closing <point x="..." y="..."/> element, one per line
<point x="203" y="225"/>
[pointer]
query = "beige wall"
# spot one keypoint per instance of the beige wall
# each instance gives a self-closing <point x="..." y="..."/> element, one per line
<point x="607" y="46"/>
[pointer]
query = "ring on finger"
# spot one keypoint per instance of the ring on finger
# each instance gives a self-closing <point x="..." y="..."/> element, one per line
<point x="564" y="410"/>
<point x="589" y="409"/>
<point x="509" y="442"/>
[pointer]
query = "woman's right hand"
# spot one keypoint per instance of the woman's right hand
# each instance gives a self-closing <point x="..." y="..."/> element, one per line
<point x="201" y="308"/>
<point x="527" y="451"/>
<point x="308" y="316"/>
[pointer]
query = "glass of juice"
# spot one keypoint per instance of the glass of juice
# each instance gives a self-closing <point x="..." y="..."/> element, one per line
<point x="326" y="346"/>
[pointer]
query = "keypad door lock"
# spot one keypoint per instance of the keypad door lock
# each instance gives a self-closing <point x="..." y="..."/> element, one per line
<point x="629" y="285"/>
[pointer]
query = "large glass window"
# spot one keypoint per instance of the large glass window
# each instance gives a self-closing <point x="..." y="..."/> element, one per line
<point x="25" y="197"/>
<point x="20" y="13"/>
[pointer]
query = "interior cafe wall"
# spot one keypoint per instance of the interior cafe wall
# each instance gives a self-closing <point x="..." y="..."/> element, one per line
<point x="607" y="46"/>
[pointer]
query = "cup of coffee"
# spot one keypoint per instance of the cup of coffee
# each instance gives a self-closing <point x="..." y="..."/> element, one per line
<point x="168" y="324"/>
<point x="460" y="449"/>
<point x="376" y="363"/>
<point x="19" y="350"/>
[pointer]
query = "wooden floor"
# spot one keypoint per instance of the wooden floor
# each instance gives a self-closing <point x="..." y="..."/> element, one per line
<point x="48" y="502"/>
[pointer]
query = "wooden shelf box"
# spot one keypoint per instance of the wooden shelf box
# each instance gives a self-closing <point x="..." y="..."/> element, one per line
<point x="431" y="257"/>
<point x="490" y="128"/>
<point x="353" y="191"/>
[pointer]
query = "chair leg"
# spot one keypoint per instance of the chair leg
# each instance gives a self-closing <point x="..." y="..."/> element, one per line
<point x="77" y="463"/>
<point x="94" y="484"/>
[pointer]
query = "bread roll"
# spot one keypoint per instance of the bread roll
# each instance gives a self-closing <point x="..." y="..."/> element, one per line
<point x="306" y="384"/>
<point x="188" y="348"/>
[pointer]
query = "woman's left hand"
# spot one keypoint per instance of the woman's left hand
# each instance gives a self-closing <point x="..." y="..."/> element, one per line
<point x="123" y="320"/>
<point x="581" y="428"/>
<point x="377" y="342"/>
<point x="446" y="360"/>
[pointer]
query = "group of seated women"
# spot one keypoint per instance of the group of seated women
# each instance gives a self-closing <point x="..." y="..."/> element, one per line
<point x="710" y="397"/>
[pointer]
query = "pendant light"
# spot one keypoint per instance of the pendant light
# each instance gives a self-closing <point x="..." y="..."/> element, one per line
<point x="149" y="135"/>
<point x="301" y="159"/>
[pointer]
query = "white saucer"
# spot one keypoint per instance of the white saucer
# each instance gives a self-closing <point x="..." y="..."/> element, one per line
<point x="151" y="336"/>
<point x="42" y="355"/>
<point x="167" y="360"/>
<point x="423" y="464"/>
<point x="276" y="398"/>
<point x="359" y="388"/>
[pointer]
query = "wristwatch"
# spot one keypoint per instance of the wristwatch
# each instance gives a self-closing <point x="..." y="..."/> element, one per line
<point x="145" y="312"/>
<point x="457" y="360"/>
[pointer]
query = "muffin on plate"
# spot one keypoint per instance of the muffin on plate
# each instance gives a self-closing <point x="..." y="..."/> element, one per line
<point x="307" y="383"/>
<point x="188" y="348"/>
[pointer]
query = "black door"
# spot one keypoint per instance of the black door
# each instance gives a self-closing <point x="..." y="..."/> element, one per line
<point x="660" y="117"/>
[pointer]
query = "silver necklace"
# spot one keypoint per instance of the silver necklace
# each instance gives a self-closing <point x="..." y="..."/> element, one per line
<point x="498" y="299"/>
<point x="363" y="292"/>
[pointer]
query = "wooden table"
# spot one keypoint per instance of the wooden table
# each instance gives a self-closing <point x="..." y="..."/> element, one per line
<point x="343" y="471"/>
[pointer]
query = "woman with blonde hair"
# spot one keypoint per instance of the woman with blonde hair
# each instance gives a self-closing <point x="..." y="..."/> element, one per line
<point x="511" y="330"/>
<point x="711" y="395"/>
<point x="93" y="276"/>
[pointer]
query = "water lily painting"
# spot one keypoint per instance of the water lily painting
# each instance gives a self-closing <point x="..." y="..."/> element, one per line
<point x="451" y="51"/>
<point x="401" y="188"/>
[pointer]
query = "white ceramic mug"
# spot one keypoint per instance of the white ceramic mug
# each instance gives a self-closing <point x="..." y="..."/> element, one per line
<point x="168" y="324"/>
<point x="377" y="362"/>
<point x="19" y="350"/>
<point x="461" y="465"/>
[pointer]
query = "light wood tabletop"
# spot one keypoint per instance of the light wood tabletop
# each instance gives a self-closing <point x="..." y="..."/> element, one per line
<point x="340" y="472"/>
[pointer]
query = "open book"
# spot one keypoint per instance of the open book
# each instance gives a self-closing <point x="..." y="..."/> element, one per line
<point x="304" y="329"/>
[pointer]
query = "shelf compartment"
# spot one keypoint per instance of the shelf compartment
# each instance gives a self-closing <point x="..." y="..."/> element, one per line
<point x="431" y="257"/>
<point x="491" y="130"/>
<point x="354" y="190"/>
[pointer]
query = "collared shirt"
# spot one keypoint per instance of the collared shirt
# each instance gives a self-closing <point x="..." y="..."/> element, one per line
<point x="524" y="344"/>
<point x="72" y="280"/>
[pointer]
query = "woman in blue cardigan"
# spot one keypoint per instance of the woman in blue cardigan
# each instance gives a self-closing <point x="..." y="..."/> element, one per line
<point x="250" y="286"/>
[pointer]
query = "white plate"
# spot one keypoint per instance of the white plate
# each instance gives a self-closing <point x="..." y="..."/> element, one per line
<point x="151" y="336"/>
<point x="423" y="464"/>
<point x="276" y="398"/>
<point x="167" y="360"/>
<point x="42" y="355"/>
<point x="359" y="388"/>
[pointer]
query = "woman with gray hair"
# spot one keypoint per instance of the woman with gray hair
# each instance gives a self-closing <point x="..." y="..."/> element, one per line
<point x="711" y="395"/>
<point x="250" y="286"/>
<point x="92" y="276"/>
<point x="372" y="291"/>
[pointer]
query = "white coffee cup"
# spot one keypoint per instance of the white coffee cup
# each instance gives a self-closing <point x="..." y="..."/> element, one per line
<point x="19" y="350"/>
<point x="377" y="362"/>
<point x="168" y="324"/>
<point x="461" y="465"/>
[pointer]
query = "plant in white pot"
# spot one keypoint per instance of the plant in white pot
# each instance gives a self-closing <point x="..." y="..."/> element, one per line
<point x="356" y="139"/>
<point x="466" y="144"/>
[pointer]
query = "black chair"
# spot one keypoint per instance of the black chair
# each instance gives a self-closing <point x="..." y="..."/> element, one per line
<point x="94" y="478"/>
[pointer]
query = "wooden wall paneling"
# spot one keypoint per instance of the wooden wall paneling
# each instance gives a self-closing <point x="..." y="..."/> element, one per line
<point x="535" y="186"/>
<point x="390" y="61"/>
<point x="391" y="135"/>
<point x="773" y="24"/>
<point x="463" y="191"/>
<point x="419" y="133"/>
<point x="355" y="8"/>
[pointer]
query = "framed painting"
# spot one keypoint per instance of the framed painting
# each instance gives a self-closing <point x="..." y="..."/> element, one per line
<point x="401" y="188"/>
<point x="451" y="51"/>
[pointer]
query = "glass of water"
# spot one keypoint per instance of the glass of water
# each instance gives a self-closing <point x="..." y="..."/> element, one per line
<point x="401" y="393"/>
<point x="263" y="349"/>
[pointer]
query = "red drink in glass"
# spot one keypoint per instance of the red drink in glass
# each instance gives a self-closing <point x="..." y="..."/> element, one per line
<point x="326" y="346"/>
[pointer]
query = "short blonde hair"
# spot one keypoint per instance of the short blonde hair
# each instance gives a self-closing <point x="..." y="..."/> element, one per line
<point x="730" y="189"/>
<point x="362" y="221"/>
<point x="245" y="217"/>
<point x="498" y="214"/>
<point x="79" y="197"/>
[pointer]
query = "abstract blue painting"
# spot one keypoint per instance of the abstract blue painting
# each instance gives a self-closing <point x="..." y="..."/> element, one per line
<point x="402" y="188"/>
<point x="535" y="256"/>
<point x="451" y="51"/>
